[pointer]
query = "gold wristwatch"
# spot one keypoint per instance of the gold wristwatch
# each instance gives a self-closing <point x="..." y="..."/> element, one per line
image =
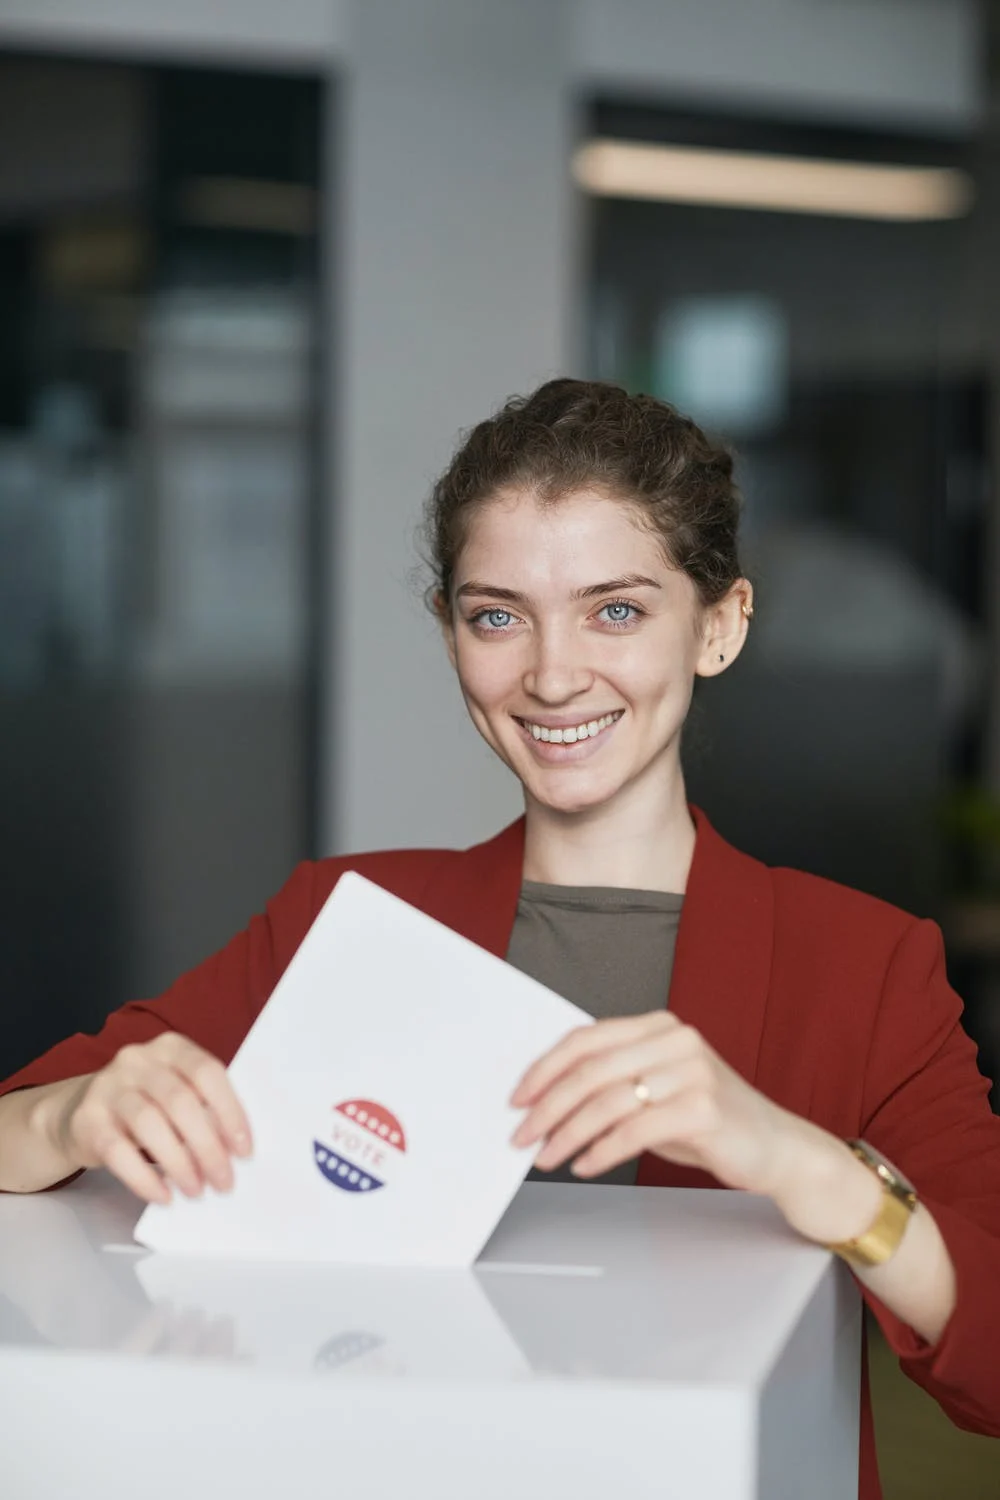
<point x="899" y="1201"/>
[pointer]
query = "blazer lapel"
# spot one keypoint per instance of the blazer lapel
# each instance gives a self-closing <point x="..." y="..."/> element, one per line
<point x="722" y="964"/>
<point x="722" y="969"/>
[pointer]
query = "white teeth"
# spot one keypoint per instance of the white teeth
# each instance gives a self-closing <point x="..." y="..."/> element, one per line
<point x="570" y="736"/>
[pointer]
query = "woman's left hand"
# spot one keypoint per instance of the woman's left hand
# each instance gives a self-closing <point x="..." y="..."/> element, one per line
<point x="694" y="1110"/>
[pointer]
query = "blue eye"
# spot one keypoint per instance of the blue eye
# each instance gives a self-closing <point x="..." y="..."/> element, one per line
<point x="619" y="612"/>
<point x="493" y="619"/>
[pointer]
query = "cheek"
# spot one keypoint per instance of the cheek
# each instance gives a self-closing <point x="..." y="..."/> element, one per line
<point x="486" y="670"/>
<point x="657" y="667"/>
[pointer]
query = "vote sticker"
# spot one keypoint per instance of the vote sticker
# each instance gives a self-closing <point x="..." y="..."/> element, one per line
<point x="363" y="1146"/>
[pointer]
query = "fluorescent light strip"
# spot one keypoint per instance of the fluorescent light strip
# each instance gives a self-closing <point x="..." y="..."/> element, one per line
<point x="783" y="184"/>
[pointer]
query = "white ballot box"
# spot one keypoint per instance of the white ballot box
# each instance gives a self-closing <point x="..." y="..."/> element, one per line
<point x="610" y="1341"/>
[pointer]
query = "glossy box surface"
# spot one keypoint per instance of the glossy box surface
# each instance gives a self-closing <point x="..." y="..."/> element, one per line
<point x="675" y="1344"/>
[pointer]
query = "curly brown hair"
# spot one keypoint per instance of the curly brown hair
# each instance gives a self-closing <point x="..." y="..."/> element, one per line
<point x="571" y="435"/>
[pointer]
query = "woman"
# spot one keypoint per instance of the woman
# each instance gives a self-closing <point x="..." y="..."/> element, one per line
<point x="584" y="544"/>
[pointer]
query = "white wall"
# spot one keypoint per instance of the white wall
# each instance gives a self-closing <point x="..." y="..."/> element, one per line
<point x="878" y="59"/>
<point x="287" y="32"/>
<point x="859" y="59"/>
<point x="457" y="284"/>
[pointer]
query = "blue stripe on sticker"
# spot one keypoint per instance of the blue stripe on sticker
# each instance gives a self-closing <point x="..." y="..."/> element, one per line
<point x="343" y="1173"/>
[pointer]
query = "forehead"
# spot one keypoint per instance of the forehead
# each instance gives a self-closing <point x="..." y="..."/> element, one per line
<point x="573" y="540"/>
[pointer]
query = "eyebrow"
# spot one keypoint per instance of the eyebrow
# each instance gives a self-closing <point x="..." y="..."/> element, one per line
<point x="592" y="591"/>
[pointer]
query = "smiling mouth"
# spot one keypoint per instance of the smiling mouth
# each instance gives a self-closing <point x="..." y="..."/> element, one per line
<point x="570" y="734"/>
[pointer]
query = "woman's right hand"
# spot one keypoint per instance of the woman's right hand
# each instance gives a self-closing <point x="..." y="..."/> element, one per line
<point x="160" y="1115"/>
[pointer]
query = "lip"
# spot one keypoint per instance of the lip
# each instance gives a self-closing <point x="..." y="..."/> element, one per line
<point x="550" y="754"/>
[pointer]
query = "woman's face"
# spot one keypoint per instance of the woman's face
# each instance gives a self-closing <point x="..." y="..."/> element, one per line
<point x="576" y="645"/>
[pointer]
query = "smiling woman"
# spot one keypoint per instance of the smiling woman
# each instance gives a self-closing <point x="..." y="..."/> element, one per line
<point x="570" y="650"/>
<point x="587" y="571"/>
<point x="755" y="1028"/>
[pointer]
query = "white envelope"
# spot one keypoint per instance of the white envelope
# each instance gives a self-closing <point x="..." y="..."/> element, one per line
<point x="377" y="1081"/>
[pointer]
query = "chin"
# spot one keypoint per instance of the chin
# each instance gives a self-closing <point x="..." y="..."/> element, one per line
<point x="570" y="799"/>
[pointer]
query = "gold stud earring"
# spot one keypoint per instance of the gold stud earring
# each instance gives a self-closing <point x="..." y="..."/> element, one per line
<point x="748" y="611"/>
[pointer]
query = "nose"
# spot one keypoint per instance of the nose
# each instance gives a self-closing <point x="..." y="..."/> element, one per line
<point x="557" y="670"/>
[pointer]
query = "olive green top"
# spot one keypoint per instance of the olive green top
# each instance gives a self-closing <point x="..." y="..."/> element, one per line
<point x="610" y="951"/>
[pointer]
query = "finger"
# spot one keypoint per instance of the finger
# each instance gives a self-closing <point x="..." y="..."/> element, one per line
<point x="124" y="1160"/>
<point x="148" y="1126"/>
<point x="195" y="1125"/>
<point x="586" y="1080"/>
<point x="584" y="1042"/>
<point x="674" y="1123"/>
<point x="598" y="1072"/>
<point x="211" y="1082"/>
<point x="588" y="1124"/>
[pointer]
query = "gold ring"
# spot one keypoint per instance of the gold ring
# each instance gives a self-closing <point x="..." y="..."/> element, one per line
<point x="640" y="1089"/>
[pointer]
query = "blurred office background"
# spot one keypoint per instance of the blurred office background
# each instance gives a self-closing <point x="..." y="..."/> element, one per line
<point x="259" y="265"/>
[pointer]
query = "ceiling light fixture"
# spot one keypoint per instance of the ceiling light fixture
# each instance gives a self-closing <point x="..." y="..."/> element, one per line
<point x="781" y="184"/>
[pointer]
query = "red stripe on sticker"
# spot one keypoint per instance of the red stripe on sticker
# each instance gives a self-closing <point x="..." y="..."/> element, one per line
<point x="374" y="1118"/>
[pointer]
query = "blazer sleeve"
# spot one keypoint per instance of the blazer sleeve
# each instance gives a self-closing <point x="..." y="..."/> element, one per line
<point x="927" y="1108"/>
<point x="214" y="1004"/>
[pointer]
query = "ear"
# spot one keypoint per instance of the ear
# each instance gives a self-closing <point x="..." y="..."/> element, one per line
<point x="724" y="629"/>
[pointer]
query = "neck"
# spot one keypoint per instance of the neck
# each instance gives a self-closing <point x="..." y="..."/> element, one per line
<point x="628" y="842"/>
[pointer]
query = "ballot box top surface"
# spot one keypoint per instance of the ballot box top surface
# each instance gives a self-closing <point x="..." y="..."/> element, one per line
<point x="578" y="1283"/>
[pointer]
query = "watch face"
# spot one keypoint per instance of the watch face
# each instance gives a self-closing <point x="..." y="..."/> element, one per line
<point x="889" y="1173"/>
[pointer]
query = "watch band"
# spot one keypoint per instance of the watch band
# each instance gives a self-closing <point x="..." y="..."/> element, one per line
<point x="899" y="1201"/>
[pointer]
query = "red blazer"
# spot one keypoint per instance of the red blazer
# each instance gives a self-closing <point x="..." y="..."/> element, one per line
<point x="833" y="1004"/>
